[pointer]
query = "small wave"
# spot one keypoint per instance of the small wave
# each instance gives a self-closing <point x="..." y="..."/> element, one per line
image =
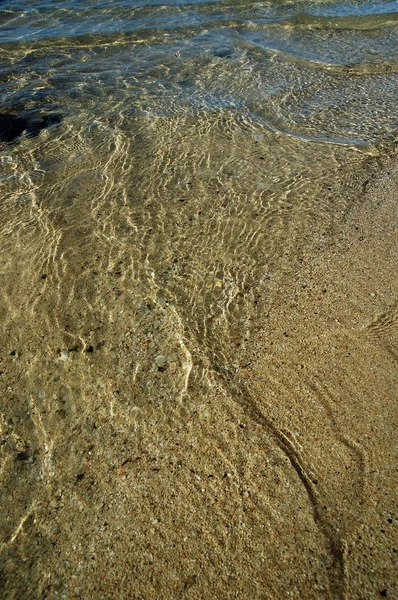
<point x="350" y="22"/>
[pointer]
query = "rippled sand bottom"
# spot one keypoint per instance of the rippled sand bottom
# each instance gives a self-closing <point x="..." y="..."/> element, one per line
<point x="198" y="365"/>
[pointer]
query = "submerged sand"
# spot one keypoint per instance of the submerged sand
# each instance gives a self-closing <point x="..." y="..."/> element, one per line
<point x="269" y="474"/>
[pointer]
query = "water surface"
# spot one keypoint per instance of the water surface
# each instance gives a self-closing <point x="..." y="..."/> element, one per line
<point x="201" y="149"/>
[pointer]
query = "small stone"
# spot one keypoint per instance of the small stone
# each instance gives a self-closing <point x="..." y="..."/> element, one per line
<point x="173" y="367"/>
<point x="23" y="455"/>
<point x="161" y="361"/>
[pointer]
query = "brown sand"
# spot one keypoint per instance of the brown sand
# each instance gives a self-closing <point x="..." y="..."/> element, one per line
<point x="325" y="370"/>
<point x="287" y="491"/>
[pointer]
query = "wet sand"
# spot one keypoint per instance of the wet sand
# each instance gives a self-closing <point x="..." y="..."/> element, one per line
<point x="273" y="475"/>
<point x="325" y="371"/>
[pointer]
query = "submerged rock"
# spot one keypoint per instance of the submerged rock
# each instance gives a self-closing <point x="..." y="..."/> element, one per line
<point x="44" y="122"/>
<point x="13" y="126"/>
<point x="161" y="361"/>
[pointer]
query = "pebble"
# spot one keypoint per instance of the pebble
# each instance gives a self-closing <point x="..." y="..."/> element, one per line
<point x="173" y="367"/>
<point x="161" y="361"/>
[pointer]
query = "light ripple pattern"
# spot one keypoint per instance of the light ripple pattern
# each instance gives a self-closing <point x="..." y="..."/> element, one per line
<point x="201" y="148"/>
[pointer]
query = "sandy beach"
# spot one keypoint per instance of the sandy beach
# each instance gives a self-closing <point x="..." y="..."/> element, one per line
<point x="272" y="477"/>
<point x="324" y="370"/>
<point x="198" y="300"/>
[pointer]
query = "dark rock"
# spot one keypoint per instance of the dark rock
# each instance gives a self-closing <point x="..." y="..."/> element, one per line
<point x="23" y="455"/>
<point x="223" y="53"/>
<point x="36" y="125"/>
<point x="13" y="126"/>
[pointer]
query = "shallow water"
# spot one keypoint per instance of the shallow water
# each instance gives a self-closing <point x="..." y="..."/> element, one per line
<point x="320" y="71"/>
<point x="202" y="147"/>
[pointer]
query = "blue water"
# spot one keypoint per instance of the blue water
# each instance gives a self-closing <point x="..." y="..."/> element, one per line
<point x="319" y="70"/>
<point x="42" y="20"/>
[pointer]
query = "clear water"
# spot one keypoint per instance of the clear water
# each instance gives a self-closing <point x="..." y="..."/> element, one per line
<point x="317" y="70"/>
<point x="202" y="146"/>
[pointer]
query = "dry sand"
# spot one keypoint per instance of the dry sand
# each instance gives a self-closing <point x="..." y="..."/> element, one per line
<point x="279" y="481"/>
